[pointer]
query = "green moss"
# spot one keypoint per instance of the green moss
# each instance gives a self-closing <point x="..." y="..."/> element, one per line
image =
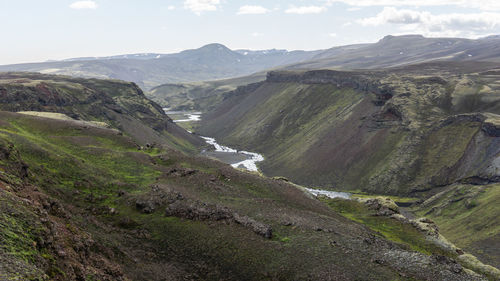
<point x="445" y="146"/>
<point x="388" y="228"/>
<point x="467" y="215"/>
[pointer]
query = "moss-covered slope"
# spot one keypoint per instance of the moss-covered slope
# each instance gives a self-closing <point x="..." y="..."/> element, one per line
<point x="83" y="203"/>
<point x="120" y="105"/>
<point x="400" y="131"/>
<point x="468" y="216"/>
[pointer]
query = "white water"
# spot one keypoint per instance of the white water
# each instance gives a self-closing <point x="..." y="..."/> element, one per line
<point x="191" y="116"/>
<point x="248" y="164"/>
<point x="251" y="163"/>
<point x="218" y="147"/>
<point x="329" y="194"/>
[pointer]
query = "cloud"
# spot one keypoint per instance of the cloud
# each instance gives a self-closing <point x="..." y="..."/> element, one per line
<point x="486" y="5"/>
<point x="80" y="5"/>
<point x="305" y="10"/>
<point x="455" y="24"/>
<point x="171" y="7"/>
<point x="333" y="34"/>
<point x="252" y="10"/>
<point x="199" y="6"/>
<point x="257" y="34"/>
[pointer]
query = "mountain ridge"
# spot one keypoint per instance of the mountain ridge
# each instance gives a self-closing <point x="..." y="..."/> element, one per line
<point x="216" y="61"/>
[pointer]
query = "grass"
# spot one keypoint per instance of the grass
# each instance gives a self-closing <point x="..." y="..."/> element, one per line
<point x="386" y="227"/>
<point x="468" y="217"/>
<point x="63" y="160"/>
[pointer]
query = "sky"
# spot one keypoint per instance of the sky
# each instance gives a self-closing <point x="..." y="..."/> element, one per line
<point x="41" y="30"/>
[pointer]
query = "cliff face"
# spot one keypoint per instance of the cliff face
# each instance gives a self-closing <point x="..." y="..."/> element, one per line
<point x="119" y="104"/>
<point x="399" y="131"/>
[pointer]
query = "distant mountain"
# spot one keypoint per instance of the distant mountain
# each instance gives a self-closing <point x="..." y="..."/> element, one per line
<point x="216" y="61"/>
<point x="143" y="56"/>
<point x="403" y="50"/>
<point x="210" y="62"/>
<point x="391" y="51"/>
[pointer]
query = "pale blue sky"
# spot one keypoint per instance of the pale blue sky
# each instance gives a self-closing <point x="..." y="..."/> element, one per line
<point x="39" y="30"/>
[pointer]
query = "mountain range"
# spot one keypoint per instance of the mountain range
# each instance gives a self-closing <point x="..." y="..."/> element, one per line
<point x="215" y="61"/>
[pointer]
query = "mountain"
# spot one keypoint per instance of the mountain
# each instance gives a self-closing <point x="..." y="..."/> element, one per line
<point x="394" y="51"/>
<point x="141" y="56"/>
<point x="81" y="200"/>
<point x="115" y="104"/>
<point x="366" y="129"/>
<point x="429" y="131"/>
<point x="213" y="61"/>
<point x="391" y="51"/>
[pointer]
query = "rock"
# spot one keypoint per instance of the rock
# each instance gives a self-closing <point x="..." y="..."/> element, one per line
<point x="426" y="226"/>
<point x="146" y="207"/>
<point x="180" y="172"/>
<point x="196" y="210"/>
<point x="259" y="228"/>
<point x="383" y="206"/>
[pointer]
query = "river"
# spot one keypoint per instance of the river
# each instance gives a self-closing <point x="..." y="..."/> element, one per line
<point x="238" y="158"/>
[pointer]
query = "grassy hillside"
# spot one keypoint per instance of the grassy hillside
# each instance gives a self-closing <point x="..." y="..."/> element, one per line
<point x="416" y="131"/>
<point x="468" y="215"/>
<point x="401" y="131"/>
<point x="83" y="203"/>
<point x="117" y="104"/>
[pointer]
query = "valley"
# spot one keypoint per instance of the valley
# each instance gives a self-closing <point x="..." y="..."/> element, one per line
<point x="350" y="163"/>
<point x="92" y="202"/>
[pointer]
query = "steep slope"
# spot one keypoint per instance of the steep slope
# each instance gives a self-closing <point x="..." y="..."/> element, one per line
<point x="120" y="105"/>
<point x="468" y="215"/>
<point x="430" y="131"/>
<point x="401" y="131"/>
<point x="213" y="61"/>
<point x="83" y="202"/>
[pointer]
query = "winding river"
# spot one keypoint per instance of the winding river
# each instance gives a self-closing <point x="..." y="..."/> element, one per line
<point x="238" y="158"/>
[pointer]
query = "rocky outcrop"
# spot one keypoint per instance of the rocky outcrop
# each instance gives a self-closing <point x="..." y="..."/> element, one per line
<point x="196" y="210"/>
<point x="382" y="206"/>
<point x="177" y="205"/>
